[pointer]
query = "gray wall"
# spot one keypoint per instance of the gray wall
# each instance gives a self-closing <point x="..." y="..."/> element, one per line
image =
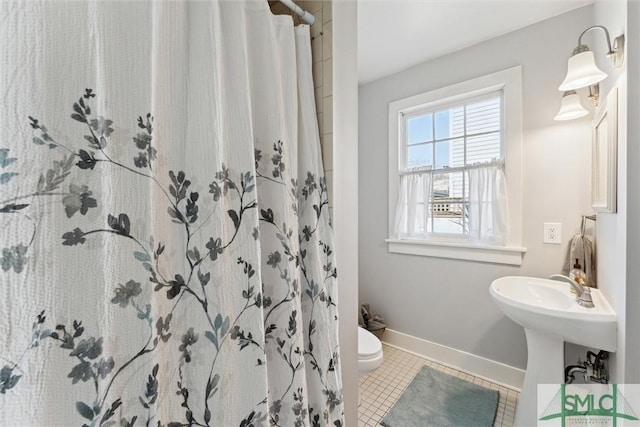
<point x="447" y="301"/>
<point x="619" y="247"/>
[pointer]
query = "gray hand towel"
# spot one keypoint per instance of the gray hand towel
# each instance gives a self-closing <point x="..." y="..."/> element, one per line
<point x="581" y="247"/>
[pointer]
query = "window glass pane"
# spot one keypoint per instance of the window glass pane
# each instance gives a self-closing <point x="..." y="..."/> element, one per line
<point x="456" y="182"/>
<point x="442" y="154"/>
<point x="448" y="185"/>
<point x="482" y="148"/>
<point x="447" y="203"/>
<point x="457" y="121"/>
<point x="420" y="129"/>
<point x="440" y="185"/>
<point x="483" y="116"/>
<point x="420" y="155"/>
<point x="442" y="124"/>
<point x="448" y="218"/>
<point x="456" y="147"/>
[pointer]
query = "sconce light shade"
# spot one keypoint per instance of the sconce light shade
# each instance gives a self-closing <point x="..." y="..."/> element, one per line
<point x="571" y="108"/>
<point x="582" y="70"/>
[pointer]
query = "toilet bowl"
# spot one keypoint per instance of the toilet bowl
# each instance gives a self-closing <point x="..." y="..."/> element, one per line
<point x="369" y="352"/>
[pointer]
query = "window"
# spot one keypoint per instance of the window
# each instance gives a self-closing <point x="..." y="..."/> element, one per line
<point x="444" y="142"/>
<point x="454" y="156"/>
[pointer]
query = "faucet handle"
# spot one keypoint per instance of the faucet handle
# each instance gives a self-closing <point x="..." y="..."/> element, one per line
<point x="585" y="299"/>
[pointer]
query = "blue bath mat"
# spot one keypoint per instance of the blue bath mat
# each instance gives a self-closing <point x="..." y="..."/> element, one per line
<point x="435" y="399"/>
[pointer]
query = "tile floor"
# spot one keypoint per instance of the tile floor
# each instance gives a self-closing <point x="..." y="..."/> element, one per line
<point x="380" y="389"/>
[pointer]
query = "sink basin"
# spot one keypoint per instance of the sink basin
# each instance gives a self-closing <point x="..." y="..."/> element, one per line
<point x="550" y="315"/>
<point x="548" y="305"/>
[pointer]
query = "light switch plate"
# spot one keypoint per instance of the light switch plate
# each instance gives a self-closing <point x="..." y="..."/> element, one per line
<point x="552" y="233"/>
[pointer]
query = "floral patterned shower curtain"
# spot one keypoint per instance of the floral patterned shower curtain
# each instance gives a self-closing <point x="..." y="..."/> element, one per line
<point x="166" y="251"/>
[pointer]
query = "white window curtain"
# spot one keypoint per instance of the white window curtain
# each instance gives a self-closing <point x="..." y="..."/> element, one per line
<point x="412" y="209"/>
<point x="488" y="206"/>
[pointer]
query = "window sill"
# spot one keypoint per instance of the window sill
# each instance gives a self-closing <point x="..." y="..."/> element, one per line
<point x="511" y="255"/>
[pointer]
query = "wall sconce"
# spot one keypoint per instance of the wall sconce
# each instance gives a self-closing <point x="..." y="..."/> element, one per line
<point x="582" y="71"/>
<point x="571" y="108"/>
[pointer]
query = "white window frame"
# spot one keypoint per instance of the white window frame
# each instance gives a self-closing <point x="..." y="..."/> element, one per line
<point x="510" y="82"/>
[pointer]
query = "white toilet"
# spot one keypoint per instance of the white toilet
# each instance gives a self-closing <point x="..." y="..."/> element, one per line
<point x="369" y="352"/>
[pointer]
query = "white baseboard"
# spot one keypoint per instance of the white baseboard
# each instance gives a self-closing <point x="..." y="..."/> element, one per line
<point x="478" y="366"/>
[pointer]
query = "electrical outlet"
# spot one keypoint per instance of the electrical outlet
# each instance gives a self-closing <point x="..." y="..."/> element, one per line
<point x="552" y="233"/>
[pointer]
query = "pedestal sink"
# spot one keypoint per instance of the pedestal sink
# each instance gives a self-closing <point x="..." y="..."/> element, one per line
<point x="550" y="316"/>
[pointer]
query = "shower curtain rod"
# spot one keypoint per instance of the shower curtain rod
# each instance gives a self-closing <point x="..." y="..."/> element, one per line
<point x="307" y="17"/>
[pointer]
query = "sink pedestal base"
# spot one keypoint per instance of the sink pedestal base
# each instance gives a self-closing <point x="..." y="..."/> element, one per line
<point x="545" y="365"/>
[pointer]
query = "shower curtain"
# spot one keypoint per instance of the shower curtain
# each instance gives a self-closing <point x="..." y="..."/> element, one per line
<point x="166" y="250"/>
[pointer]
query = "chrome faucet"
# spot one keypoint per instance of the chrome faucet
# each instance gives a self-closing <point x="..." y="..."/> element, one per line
<point x="583" y="293"/>
<point x="577" y="287"/>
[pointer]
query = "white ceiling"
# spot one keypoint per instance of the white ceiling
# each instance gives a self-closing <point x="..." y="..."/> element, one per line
<point x="394" y="35"/>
